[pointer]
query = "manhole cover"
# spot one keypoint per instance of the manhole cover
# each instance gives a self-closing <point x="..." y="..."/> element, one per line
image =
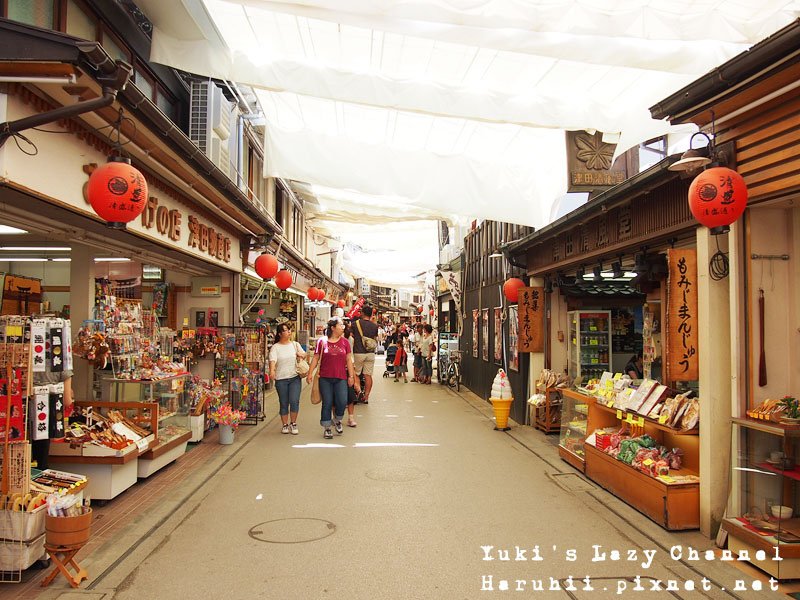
<point x="292" y="531"/>
<point x="397" y="474"/>
<point x="572" y="482"/>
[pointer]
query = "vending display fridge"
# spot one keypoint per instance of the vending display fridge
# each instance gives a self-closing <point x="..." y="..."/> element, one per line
<point x="589" y="343"/>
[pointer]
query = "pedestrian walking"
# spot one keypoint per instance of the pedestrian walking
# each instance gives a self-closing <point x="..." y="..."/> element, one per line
<point x="427" y="348"/>
<point x="335" y="359"/>
<point x="419" y="362"/>
<point x="365" y="333"/>
<point x="352" y="394"/>
<point x="401" y="361"/>
<point x="283" y="371"/>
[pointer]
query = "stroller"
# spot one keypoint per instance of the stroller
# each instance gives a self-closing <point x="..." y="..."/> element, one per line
<point x="391" y="352"/>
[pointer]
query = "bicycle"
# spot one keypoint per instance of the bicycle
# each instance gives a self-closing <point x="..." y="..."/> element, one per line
<point x="453" y="372"/>
<point x="441" y="367"/>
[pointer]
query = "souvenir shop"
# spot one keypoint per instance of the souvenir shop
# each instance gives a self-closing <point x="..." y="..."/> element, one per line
<point x="620" y="384"/>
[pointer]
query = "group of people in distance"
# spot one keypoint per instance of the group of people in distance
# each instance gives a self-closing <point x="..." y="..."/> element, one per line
<point x="344" y="354"/>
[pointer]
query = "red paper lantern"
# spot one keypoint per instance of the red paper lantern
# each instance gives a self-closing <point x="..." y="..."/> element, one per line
<point x="431" y="312"/>
<point x="266" y="266"/>
<point x="117" y="192"/>
<point x="340" y="304"/>
<point x="312" y="293"/>
<point x="419" y="309"/>
<point x="283" y="279"/>
<point x="320" y="295"/>
<point x="717" y="197"/>
<point x="511" y="288"/>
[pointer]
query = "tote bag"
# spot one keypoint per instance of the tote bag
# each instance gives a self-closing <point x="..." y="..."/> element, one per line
<point x="302" y="365"/>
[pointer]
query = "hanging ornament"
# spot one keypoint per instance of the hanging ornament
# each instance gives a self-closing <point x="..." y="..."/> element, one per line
<point x="283" y="279"/>
<point x="341" y="303"/>
<point x="320" y="295"/>
<point x="266" y="266"/>
<point x="431" y="312"/>
<point x="717" y="198"/>
<point x="312" y="293"/>
<point x="419" y="309"/>
<point x="117" y="192"/>
<point x="511" y="288"/>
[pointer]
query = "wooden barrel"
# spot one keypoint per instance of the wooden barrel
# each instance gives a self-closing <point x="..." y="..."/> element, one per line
<point x="68" y="531"/>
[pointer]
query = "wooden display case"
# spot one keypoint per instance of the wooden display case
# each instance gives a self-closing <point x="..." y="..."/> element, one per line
<point x="674" y="506"/>
<point x="757" y="484"/>
<point x="547" y="416"/>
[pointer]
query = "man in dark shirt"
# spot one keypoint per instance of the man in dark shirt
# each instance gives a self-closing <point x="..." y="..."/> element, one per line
<point x="364" y="358"/>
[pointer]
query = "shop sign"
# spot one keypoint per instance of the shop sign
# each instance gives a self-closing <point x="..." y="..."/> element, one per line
<point x="683" y="357"/>
<point x="530" y="329"/>
<point x="589" y="162"/>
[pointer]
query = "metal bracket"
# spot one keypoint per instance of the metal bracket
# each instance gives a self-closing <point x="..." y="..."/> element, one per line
<point x="769" y="256"/>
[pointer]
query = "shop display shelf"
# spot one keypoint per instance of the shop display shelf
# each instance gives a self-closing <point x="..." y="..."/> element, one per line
<point x="573" y="459"/>
<point x="647" y="420"/>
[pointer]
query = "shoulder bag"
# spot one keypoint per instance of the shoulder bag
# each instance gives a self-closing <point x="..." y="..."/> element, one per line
<point x="316" y="395"/>
<point x="302" y="364"/>
<point x="369" y="343"/>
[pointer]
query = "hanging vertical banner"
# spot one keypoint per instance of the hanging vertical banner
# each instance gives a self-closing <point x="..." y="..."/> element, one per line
<point x="530" y="330"/>
<point x="498" y="335"/>
<point x="38" y="333"/>
<point x="485" y="334"/>
<point x="513" y="348"/>
<point x="40" y="423"/>
<point x="475" y="325"/>
<point x="682" y="360"/>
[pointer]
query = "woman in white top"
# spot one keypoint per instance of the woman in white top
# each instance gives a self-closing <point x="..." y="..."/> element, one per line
<point x="283" y="371"/>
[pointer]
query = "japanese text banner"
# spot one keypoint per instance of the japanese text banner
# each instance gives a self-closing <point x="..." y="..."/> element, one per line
<point x="682" y="358"/>
<point x="531" y="319"/>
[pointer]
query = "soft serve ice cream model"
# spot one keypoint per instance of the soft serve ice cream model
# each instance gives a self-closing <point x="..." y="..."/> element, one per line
<point x="501" y="399"/>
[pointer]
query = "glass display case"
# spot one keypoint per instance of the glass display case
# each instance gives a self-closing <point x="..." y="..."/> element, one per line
<point x="589" y="343"/>
<point x="174" y="404"/>
<point x="764" y="504"/>
<point x="574" y="421"/>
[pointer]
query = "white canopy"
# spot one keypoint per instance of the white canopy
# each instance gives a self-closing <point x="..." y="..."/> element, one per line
<point x="458" y="106"/>
<point x="413" y="109"/>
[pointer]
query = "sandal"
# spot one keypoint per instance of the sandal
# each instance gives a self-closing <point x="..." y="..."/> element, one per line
<point x="351" y="423"/>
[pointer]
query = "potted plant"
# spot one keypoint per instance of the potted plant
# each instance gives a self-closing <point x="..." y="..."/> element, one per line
<point x="228" y="420"/>
<point x="791" y="409"/>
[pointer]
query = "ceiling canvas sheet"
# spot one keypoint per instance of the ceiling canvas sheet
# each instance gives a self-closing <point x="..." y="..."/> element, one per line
<point x="457" y="106"/>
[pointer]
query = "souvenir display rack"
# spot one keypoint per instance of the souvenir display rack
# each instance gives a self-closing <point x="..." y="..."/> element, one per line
<point x="592" y="424"/>
<point x="762" y="511"/>
<point x="590" y="351"/>
<point x="241" y="366"/>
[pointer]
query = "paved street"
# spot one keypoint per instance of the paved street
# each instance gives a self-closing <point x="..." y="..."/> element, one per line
<point x="410" y="504"/>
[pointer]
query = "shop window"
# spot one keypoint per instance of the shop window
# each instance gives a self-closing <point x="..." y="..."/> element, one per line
<point x="115" y="48"/>
<point x="40" y="13"/>
<point x="167" y="106"/>
<point x="144" y="83"/>
<point x="569" y="247"/>
<point x="556" y="252"/>
<point x="80" y="24"/>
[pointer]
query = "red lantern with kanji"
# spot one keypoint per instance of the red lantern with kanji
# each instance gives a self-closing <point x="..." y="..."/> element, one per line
<point x="312" y="293"/>
<point x="341" y="304"/>
<point x="717" y="197"/>
<point x="283" y="279"/>
<point x="511" y="288"/>
<point x="117" y="192"/>
<point x="266" y="266"/>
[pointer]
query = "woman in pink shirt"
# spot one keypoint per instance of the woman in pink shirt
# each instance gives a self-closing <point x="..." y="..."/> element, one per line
<point x="335" y="359"/>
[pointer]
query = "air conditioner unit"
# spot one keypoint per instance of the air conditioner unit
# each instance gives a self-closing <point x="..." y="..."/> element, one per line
<point x="220" y="155"/>
<point x="210" y="119"/>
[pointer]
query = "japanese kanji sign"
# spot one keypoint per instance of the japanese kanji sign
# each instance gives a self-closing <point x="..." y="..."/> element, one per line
<point x="531" y="319"/>
<point x="682" y="359"/>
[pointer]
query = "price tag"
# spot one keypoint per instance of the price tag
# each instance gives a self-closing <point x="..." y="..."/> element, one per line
<point x="666" y="479"/>
<point x="619" y="414"/>
<point x="609" y="384"/>
<point x="629" y="418"/>
<point x="617" y="376"/>
<point x="640" y="421"/>
<point x="662" y="419"/>
<point x="610" y="403"/>
<point x="647" y="462"/>
<point x="14" y="331"/>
